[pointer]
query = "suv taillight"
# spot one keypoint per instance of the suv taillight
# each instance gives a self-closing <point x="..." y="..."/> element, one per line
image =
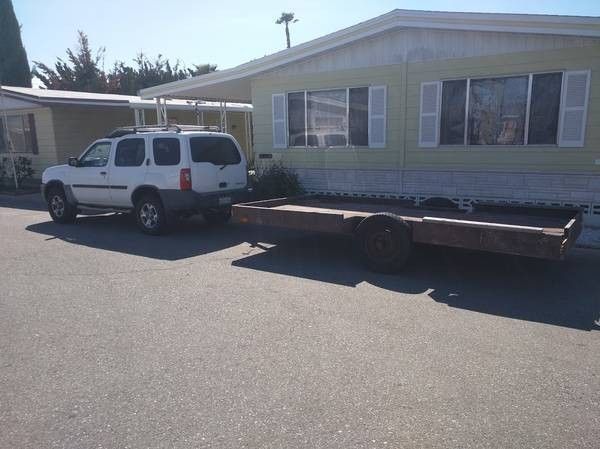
<point x="185" y="179"/>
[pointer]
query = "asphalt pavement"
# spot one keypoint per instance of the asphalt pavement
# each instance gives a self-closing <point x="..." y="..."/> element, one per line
<point x="247" y="337"/>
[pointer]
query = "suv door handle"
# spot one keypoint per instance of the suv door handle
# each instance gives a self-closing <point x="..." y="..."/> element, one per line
<point x="103" y="173"/>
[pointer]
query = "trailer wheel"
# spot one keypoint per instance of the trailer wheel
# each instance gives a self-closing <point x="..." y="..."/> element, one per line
<point x="384" y="242"/>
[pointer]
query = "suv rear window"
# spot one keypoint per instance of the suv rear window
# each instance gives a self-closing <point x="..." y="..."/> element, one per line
<point x="130" y="153"/>
<point x="216" y="150"/>
<point x="166" y="151"/>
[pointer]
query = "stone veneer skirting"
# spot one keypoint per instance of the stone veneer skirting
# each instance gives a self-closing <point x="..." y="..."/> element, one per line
<point x="582" y="190"/>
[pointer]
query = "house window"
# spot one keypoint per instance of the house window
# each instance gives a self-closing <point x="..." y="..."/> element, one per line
<point x="21" y="129"/>
<point x="452" y="129"/>
<point x="544" y="109"/>
<point x="511" y="110"/>
<point x="328" y="118"/>
<point x="297" y="119"/>
<point x="358" y="116"/>
<point x="497" y="109"/>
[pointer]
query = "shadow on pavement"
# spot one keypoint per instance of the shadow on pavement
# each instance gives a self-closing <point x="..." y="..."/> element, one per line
<point x="560" y="293"/>
<point x="30" y="201"/>
<point x="119" y="233"/>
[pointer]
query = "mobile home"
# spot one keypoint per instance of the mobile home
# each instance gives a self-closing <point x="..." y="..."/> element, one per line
<point x="417" y="104"/>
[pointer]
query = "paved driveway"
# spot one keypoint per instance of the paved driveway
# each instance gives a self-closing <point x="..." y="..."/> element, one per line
<point x="247" y="337"/>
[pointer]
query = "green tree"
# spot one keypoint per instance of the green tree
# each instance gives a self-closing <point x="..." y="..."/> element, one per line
<point x="81" y="72"/>
<point x="287" y="18"/>
<point x="128" y="80"/>
<point x="14" y="68"/>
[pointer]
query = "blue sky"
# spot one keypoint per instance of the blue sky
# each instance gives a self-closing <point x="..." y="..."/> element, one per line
<point x="226" y="33"/>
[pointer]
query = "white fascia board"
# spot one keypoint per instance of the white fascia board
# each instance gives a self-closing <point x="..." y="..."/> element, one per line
<point x="53" y="101"/>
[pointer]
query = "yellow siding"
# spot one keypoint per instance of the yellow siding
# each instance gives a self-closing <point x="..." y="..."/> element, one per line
<point x="391" y="76"/>
<point x="76" y="127"/>
<point x="538" y="158"/>
<point x="403" y="82"/>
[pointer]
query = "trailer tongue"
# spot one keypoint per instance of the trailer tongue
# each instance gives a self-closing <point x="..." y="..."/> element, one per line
<point x="385" y="229"/>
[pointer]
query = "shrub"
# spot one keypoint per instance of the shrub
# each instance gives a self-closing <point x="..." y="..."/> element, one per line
<point x="23" y="171"/>
<point x="275" y="182"/>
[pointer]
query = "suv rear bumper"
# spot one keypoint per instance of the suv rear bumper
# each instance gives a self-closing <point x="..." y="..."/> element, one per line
<point x="193" y="202"/>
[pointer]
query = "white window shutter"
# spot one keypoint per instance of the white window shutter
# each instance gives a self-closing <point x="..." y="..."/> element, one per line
<point x="429" y="118"/>
<point x="377" y="116"/>
<point x="573" y="115"/>
<point x="279" y="125"/>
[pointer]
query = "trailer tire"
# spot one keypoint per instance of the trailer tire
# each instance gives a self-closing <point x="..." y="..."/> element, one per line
<point x="384" y="242"/>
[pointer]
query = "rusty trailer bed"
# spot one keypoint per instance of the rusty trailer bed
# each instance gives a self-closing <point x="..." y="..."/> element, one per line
<point x="535" y="231"/>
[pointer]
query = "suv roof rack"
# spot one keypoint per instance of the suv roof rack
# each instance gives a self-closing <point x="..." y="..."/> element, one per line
<point x="125" y="130"/>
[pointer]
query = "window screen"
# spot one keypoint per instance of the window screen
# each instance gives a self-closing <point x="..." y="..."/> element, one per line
<point x="497" y="108"/>
<point x="452" y="120"/>
<point x="130" y="153"/>
<point x="215" y="150"/>
<point x="359" y="116"/>
<point x="166" y="151"/>
<point x="544" y="109"/>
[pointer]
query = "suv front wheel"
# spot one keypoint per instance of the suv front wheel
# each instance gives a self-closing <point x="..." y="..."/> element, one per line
<point x="59" y="208"/>
<point x="150" y="215"/>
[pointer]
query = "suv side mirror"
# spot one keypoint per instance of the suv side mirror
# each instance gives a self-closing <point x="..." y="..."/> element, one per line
<point x="73" y="162"/>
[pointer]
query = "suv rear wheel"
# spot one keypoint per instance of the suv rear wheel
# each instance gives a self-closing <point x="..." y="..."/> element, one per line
<point x="59" y="208"/>
<point x="150" y="215"/>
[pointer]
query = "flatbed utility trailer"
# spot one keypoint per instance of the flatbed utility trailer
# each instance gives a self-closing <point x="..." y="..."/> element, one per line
<point x="385" y="229"/>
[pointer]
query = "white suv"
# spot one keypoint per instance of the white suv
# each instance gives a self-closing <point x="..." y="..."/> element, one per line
<point x="157" y="173"/>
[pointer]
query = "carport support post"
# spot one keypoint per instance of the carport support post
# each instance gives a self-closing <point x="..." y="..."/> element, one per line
<point x="140" y="117"/>
<point x="7" y="137"/>
<point x="223" y="112"/>
<point x="161" y="111"/>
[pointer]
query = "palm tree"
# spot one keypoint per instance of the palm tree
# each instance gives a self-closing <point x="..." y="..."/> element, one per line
<point x="286" y="17"/>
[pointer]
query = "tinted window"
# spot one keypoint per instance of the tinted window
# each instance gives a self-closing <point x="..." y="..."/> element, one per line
<point x="166" y="151"/>
<point x="96" y="156"/>
<point x="130" y="153"/>
<point x="454" y="97"/>
<point x="216" y="150"/>
<point x="545" y="105"/>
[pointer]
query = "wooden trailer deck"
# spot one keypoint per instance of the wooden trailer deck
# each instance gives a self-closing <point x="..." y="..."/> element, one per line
<point x="523" y="230"/>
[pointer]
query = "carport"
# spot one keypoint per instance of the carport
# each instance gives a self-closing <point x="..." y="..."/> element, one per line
<point x="225" y="87"/>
